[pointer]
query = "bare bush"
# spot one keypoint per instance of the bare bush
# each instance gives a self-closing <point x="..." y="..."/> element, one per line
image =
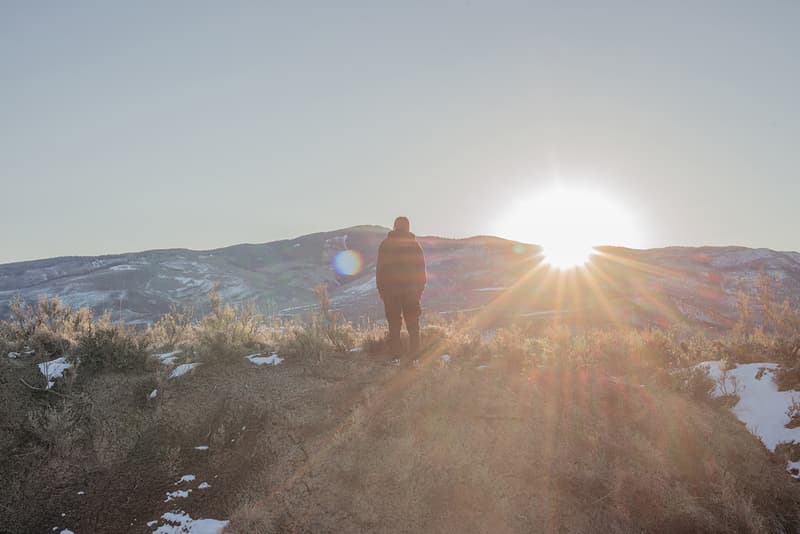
<point x="782" y="316"/>
<point x="793" y="413"/>
<point x="728" y="387"/>
<point x="49" y="327"/>
<point x="173" y="329"/>
<point x="696" y="382"/>
<point x="228" y="330"/>
<point x="109" y="347"/>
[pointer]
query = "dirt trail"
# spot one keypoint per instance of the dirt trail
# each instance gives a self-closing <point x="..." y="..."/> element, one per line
<point x="351" y="444"/>
<point x="462" y="447"/>
<point x="252" y="419"/>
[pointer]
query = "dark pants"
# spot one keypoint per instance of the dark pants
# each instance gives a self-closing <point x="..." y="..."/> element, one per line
<point x="399" y="307"/>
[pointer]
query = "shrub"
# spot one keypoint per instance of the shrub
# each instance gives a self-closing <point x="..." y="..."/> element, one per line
<point x="433" y="336"/>
<point x="7" y="342"/>
<point x="172" y="329"/>
<point x="228" y="330"/>
<point x="49" y="327"/>
<point x="374" y="341"/>
<point x="695" y="382"/>
<point x="781" y="316"/>
<point x="610" y="350"/>
<point x="339" y="333"/>
<point x="109" y="347"/>
<point x="309" y="340"/>
<point x="60" y="427"/>
<point x="466" y="346"/>
<point x="787" y="378"/>
<point x="741" y="350"/>
<point x="658" y="349"/>
<point x="727" y="385"/>
<point x="511" y="343"/>
<point x="324" y="331"/>
<point x="786" y="350"/>
<point x="793" y="413"/>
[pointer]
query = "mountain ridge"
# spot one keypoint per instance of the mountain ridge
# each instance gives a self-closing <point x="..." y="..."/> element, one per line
<point x="659" y="285"/>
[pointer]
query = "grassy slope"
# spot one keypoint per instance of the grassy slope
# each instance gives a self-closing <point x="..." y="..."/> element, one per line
<point x="350" y="444"/>
<point x="457" y="449"/>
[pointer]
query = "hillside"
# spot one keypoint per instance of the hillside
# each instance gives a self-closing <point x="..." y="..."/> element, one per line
<point x="521" y="432"/>
<point x="658" y="286"/>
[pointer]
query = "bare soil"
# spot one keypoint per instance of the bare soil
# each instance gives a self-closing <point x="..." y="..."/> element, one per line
<point x="353" y="444"/>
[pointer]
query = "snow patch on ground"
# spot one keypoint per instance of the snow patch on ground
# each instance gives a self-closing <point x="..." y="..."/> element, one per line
<point x="54" y="369"/>
<point x="793" y="468"/>
<point x="153" y="394"/>
<point x="182" y="369"/>
<point x="167" y="358"/>
<point x="177" y="494"/>
<point x="204" y="485"/>
<point x="201" y="448"/>
<point x="185" y="478"/>
<point x="258" y="359"/>
<point x="761" y="407"/>
<point x="179" y="522"/>
<point x="123" y="268"/>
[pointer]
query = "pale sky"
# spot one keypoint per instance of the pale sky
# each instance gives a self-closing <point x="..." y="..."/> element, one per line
<point x="127" y="126"/>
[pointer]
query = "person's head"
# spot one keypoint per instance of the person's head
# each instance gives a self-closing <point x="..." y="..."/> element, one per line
<point x="401" y="224"/>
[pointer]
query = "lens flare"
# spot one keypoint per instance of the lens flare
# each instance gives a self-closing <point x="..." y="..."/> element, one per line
<point x="347" y="263"/>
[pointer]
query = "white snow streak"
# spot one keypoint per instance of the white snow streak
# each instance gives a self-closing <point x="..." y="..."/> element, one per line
<point x="182" y="369"/>
<point x="258" y="359"/>
<point x="167" y="358"/>
<point x="177" y="494"/>
<point x="54" y="369"/>
<point x="179" y="522"/>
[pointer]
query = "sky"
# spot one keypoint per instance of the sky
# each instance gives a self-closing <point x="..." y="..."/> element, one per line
<point x="127" y="126"/>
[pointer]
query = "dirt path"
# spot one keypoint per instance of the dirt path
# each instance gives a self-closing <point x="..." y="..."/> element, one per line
<point x="225" y="424"/>
<point x="353" y="445"/>
<point x="253" y="420"/>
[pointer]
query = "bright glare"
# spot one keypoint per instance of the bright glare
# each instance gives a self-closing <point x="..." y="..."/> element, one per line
<point x="568" y="222"/>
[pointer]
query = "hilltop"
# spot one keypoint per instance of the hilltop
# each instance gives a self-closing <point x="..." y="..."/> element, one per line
<point x="235" y="424"/>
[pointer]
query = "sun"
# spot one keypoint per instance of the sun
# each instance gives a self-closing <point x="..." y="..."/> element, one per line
<point x="568" y="222"/>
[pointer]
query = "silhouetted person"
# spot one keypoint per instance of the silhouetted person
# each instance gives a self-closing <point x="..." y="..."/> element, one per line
<point x="400" y="276"/>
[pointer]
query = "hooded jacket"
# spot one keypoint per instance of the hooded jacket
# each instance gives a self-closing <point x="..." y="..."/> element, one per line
<point x="401" y="266"/>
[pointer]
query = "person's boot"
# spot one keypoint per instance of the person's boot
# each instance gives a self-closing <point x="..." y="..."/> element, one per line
<point x="394" y="348"/>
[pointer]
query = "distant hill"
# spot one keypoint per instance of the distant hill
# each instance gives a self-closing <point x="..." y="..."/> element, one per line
<point x="486" y="275"/>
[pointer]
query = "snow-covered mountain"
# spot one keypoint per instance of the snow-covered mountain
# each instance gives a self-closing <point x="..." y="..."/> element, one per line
<point x="487" y="275"/>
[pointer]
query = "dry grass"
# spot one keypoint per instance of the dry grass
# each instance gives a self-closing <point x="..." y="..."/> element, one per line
<point x="454" y="449"/>
<point x="546" y="430"/>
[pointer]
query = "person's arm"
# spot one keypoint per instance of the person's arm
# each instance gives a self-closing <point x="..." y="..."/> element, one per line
<point x="422" y="275"/>
<point x="380" y="271"/>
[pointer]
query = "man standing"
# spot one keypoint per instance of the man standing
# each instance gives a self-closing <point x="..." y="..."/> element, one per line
<point x="400" y="276"/>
